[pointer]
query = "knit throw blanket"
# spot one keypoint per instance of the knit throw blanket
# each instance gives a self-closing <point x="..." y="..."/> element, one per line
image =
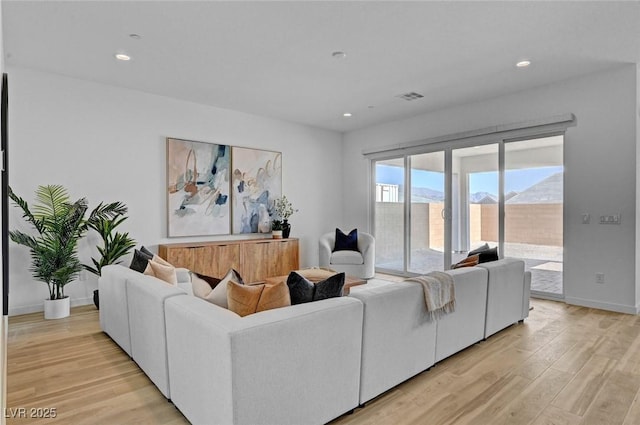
<point x="439" y="293"/>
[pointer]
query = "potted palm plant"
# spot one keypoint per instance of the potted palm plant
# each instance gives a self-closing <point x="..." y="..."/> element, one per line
<point x="59" y="225"/>
<point x="114" y="244"/>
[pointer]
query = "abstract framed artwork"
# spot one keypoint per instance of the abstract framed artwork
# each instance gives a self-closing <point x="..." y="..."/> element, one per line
<point x="198" y="188"/>
<point x="255" y="183"/>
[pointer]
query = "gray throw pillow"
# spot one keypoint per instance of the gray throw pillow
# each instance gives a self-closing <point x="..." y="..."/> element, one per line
<point x="302" y="290"/>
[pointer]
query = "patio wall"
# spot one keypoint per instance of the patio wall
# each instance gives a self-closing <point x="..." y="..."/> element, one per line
<point x="536" y="224"/>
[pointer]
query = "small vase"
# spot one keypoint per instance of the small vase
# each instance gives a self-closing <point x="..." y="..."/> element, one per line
<point x="276" y="234"/>
<point x="286" y="229"/>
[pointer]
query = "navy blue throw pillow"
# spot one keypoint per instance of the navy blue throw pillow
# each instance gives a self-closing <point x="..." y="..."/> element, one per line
<point x="346" y="242"/>
<point x="302" y="290"/>
<point x="488" y="255"/>
<point x="478" y="250"/>
<point x="140" y="260"/>
<point x="146" y="251"/>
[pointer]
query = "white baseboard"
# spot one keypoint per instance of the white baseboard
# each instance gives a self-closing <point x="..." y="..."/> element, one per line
<point x="619" y="308"/>
<point x="35" y="308"/>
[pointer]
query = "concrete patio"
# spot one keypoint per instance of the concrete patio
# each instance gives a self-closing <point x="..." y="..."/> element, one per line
<point x="544" y="262"/>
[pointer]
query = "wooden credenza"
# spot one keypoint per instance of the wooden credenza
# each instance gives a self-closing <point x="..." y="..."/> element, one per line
<point x="255" y="259"/>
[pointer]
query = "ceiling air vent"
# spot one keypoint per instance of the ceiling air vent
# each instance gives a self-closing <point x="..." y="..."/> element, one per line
<point x="410" y="96"/>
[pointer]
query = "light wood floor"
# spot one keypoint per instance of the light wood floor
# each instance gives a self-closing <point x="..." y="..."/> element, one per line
<point x="565" y="365"/>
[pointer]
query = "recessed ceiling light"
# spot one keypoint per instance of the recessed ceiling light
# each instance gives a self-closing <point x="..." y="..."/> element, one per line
<point x="523" y="64"/>
<point x="135" y="36"/>
<point x="347" y="114"/>
<point x="339" y="55"/>
<point x="122" y="57"/>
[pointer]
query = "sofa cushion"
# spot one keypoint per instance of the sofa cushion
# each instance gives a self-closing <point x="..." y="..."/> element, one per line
<point x="316" y="274"/>
<point x="470" y="261"/>
<point x="243" y="299"/>
<point x="159" y="259"/>
<point x="219" y="294"/>
<point x="140" y="261"/>
<point x="248" y="299"/>
<point x="346" y="242"/>
<point x="210" y="280"/>
<point x="300" y="289"/>
<point x="161" y="271"/>
<point x="144" y="250"/>
<point x="478" y="250"/>
<point x="201" y="288"/>
<point x="346" y="257"/>
<point x="303" y="291"/>
<point x="274" y="296"/>
<point x="488" y="255"/>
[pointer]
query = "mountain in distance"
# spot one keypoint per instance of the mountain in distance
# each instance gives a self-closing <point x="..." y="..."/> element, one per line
<point x="425" y="194"/>
<point x="485" y="197"/>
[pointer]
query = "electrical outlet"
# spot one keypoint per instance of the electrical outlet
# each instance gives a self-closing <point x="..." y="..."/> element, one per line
<point x="600" y="278"/>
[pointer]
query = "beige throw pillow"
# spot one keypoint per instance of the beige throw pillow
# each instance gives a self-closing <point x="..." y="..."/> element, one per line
<point x="162" y="272"/>
<point x="201" y="287"/>
<point x="274" y="296"/>
<point x="161" y="260"/>
<point x="248" y="299"/>
<point x="243" y="299"/>
<point x="219" y="294"/>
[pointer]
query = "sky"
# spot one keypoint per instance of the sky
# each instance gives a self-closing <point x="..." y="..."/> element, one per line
<point x="515" y="180"/>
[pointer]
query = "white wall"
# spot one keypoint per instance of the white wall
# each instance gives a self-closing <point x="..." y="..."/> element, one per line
<point x="108" y="144"/>
<point x="600" y="173"/>
<point x="637" y="185"/>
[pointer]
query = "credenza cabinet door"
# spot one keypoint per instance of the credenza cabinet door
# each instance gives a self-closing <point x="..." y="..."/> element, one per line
<point x="287" y="257"/>
<point x="216" y="260"/>
<point x="255" y="259"/>
<point x="260" y="261"/>
<point x="179" y="257"/>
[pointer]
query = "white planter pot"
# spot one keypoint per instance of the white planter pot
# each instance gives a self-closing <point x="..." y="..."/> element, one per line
<point x="57" y="309"/>
<point x="276" y="234"/>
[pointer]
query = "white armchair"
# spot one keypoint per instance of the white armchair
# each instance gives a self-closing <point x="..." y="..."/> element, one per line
<point x="360" y="264"/>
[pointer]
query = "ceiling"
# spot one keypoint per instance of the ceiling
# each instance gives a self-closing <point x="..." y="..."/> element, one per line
<point x="275" y="58"/>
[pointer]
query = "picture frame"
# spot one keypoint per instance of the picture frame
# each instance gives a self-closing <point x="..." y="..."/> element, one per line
<point x="198" y="185"/>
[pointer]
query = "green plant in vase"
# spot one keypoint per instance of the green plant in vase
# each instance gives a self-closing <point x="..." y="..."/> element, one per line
<point x="283" y="209"/>
<point x="59" y="225"/>
<point x="114" y="244"/>
<point x="276" y="229"/>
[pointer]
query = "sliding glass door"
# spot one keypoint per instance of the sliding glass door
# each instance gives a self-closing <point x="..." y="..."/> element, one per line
<point x="427" y="213"/>
<point x="389" y="212"/>
<point x="533" y="210"/>
<point x="475" y="196"/>
<point x="432" y="208"/>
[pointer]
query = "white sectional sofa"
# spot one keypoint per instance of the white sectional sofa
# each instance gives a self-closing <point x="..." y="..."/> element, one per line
<point x="132" y="314"/>
<point x="502" y="295"/>
<point x="304" y="364"/>
<point x="295" y="365"/>
<point x="398" y="342"/>
<point x="466" y="326"/>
